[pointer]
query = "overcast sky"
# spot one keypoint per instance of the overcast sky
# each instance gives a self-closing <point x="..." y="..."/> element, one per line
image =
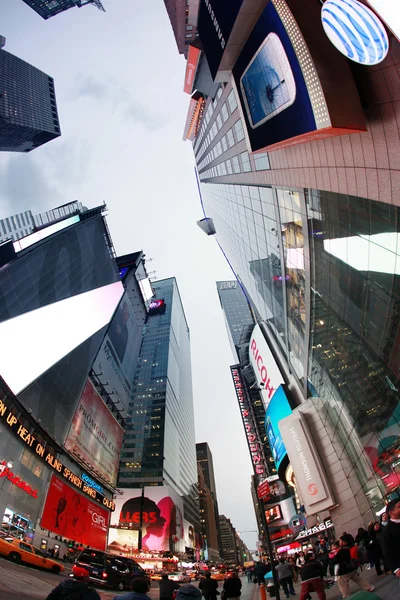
<point x="119" y="80"/>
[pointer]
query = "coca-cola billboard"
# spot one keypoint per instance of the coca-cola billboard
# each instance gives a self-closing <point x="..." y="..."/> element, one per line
<point x="267" y="372"/>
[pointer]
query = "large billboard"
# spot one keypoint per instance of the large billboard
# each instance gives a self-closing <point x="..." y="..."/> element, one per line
<point x="95" y="435"/>
<point x="70" y="514"/>
<point x="216" y="19"/>
<point x="267" y="373"/>
<point x="160" y="510"/>
<point x="191" y="68"/>
<point x="117" y="358"/>
<point x="287" y="87"/>
<point x="278" y="409"/>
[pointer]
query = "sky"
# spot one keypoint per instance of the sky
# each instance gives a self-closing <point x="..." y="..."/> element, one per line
<point x="119" y="88"/>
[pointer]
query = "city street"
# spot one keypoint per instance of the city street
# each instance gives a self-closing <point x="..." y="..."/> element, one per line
<point x="20" y="582"/>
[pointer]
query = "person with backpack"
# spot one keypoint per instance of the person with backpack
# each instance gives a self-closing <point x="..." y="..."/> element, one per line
<point x="75" y="588"/>
<point x="346" y="565"/>
<point x="312" y="573"/>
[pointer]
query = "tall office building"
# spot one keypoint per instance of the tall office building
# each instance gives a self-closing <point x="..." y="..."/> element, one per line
<point x="51" y="8"/>
<point x="233" y="548"/>
<point x="205" y="460"/>
<point x="181" y="14"/>
<point x="302" y="190"/>
<point x="22" y="224"/>
<point x="28" y="109"/>
<point x="159" y="445"/>
<point x="209" y="525"/>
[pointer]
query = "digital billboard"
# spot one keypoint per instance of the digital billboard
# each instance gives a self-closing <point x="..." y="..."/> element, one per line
<point x="273" y="513"/>
<point x="95" y="435"/>
<point x="40" y="338"/>
<point x="117" y="358"/>
<point x="278" y="409"/>
<point x="70" y="514"/>
<point x="161" y="512"/>
<point x="288" y="91"/>
<point x="267" y="372"/>
<point x="191" y="68"/>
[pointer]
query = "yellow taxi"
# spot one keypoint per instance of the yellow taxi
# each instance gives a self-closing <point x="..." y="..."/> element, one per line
<point x="20" y="551"/>
<point x="218" y="576"/>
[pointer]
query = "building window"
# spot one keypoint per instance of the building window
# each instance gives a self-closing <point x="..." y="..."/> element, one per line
<point x="188" y="35"/>
<point x="230" y="138"/>
<point x="239" y="130"/>
<point x="245" y="161"/>
<point x="261" y="161"/>
<point x="189" y="27"/>
<point x="235" y="163"/>
<point x="232" y="101"/>
<point x="224" y="113"/>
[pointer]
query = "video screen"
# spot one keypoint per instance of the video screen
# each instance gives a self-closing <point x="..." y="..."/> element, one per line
<point x="273" y="514"/>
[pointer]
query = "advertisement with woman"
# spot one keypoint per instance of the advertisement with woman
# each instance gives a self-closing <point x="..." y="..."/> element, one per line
<point x="160" y="510"/>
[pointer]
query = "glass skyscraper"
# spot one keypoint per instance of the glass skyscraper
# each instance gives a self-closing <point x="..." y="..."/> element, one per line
<point x="159" y="446"/>
<point x="51" y="8"/>
<point x="28" y="109"/>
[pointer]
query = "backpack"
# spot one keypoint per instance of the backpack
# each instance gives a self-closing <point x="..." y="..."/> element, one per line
<point x="354" y="557"/>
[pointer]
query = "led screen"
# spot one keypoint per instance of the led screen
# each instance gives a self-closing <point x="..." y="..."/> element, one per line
<point x="162" y="521"/>
<point x="40" y="338"/>
<point x="44" y="233"/>
<point x="273" y="514"/>
<point x="277" y="409"/>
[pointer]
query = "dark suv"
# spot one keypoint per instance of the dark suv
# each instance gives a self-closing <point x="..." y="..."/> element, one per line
<point x="110" y="570"/>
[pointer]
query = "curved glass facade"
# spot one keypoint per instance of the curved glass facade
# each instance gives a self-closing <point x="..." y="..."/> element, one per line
<point x="322" y="270"/>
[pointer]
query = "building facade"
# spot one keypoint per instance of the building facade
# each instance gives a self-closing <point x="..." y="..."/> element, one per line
<point x="28" y="108"/>
<point x="228" y="539"/>
<point x="159" y="445"/>
<point x="180" y="14"/>
<point x="309" y="224"/>
<point x="209" y="527"/>
<point x="205" y="460"/>
<point x="47" y="9"/>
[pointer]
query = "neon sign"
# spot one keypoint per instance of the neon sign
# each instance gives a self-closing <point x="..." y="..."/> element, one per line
<point x="254" y="443"/>
<point x="15" y="480"/>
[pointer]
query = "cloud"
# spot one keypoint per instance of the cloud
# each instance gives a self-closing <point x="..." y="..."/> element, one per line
<point x="150" y="121"/>
<point x="23" y="185"/>
<point x="90" y="88"/>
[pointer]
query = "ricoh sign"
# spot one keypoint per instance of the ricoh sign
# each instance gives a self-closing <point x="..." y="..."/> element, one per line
<point x="267" y="373"/>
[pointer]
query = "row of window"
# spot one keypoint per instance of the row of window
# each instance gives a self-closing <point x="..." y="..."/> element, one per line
<point x="232" y="136"/>
<point x="237" y="164"/>
<point x="202" y="144"/>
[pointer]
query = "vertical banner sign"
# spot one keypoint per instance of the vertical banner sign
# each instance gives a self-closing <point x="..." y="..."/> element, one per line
<point x="253" y="440"/>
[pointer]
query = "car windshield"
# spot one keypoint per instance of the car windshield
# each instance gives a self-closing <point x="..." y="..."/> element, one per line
<point x="95" y="559"/>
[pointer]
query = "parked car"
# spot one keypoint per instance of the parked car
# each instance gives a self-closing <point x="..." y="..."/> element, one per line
<point x="180" y="577"/>
<point x="20" y="551"/>
<point x="110" y="570"/>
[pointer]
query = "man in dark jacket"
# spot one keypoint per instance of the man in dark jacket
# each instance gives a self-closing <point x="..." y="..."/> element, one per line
<point x="391" y="538"/>
<point x="311" y="574"/>
<point x="209" y="587"/>
<point x="75" y="588"/>
<point x="139" y="586"/>
<point x="346" y="569"/>
<point x="259" y="572"/>
<point x="322" y="553"/>
<point x="167" y="587"/>
<point x="233" y="586"/>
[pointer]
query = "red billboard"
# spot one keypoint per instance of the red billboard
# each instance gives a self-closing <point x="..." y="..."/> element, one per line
<point x="191" y="68"/>
<point x="71" y="515"/>
<point x="95" y="436"/>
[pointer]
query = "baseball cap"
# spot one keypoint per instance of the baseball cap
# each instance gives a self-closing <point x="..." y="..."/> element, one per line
<point x="80" y="572"/>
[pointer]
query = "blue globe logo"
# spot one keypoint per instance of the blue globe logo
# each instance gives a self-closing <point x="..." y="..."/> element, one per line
<point x="355" y="31"/>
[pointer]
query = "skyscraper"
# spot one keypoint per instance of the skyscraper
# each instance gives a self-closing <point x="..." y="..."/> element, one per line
<point x="301" y="195"/>
<point x="28" y="109"/>
<point x="159" y="446"/>
<point x="209" y="521"/>
<point x="51" y="8"/>
<point x="180" y="14"/>
<point x="205" y="461"/>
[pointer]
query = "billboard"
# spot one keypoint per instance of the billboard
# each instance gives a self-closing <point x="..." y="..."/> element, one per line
<point x="307" y="466"/>
<point x="191" y="68"/>
<point x="273" y="513"/>
<point x="278" y="409"/>
<point x="69" y="514"/>
<point x="95" y="435"/>
<point x="267" y="373"/>
<point x="161" y="511"/>
<point x="40" y="338"/>
<point x="215" y="23"/>
<point x="116" y="360"/>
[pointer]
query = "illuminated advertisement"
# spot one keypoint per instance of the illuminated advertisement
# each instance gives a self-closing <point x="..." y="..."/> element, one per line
<point x="253" y="439"/>
<point x="278" y="409"/>
<point x="267" y="372"/>
<point x="95" y="435"/>
<point x="40" y="338"/>
<point x="273" y="513"/>
<point x="157" y="307"/>
<point x="72" y="515"/>
<point x="160" y="510"/>
<point x="191" y="68"/>
<point x="116" y="360"/>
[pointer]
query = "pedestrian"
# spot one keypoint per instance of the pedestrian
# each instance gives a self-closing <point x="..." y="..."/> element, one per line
<point x="75" y="588"/>
<point x="259" y="572"/>
<point x="322" y="553"/>
<point x="188" y="591"/>
<point x="139" y="588"/>
<point x="346" y="568"/>
<point x="375" y="548"/>
<point x="167" y="587"/>
<point x="209" y="587"/>
<point x="232" y="587"/>
<point x="285" y="576"/>
<point x="300" y="560"/>
<point x="384" y="519"/>
<point x="249" y="574"/>
<point x="312" y="573"/>
<point x="292" y="563"/>
<point x="391" y="538"/>
<point x="335" y="547"/>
